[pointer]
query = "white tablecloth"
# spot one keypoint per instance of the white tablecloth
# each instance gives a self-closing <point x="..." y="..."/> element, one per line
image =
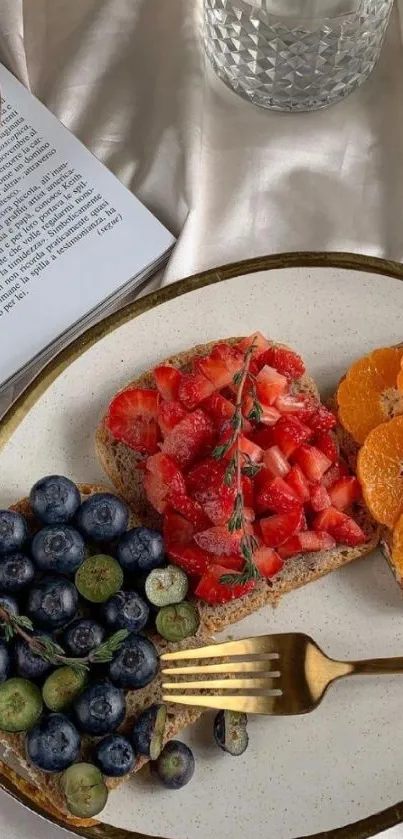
<point x="130" y="79"/>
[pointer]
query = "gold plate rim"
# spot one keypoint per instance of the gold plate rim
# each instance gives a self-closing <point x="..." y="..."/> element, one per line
<point x="364" y="828"/>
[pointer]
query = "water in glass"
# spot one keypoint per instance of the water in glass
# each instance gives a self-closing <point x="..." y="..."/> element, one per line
<point x="281" y="54"/>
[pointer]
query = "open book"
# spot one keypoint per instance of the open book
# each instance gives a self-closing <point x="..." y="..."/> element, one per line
<point x="73" y="239"/>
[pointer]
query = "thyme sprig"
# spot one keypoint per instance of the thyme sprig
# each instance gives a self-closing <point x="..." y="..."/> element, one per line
<point x="240" y="464"/>
<point x="50" y="651"/>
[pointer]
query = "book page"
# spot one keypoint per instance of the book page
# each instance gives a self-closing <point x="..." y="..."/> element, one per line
<point x="71" y="235"/>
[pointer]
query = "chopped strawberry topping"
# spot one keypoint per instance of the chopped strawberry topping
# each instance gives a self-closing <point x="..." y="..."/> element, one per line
<point x="169" y="414"/>
<point x="326" y="443"/>
<point x="212" y="590"/>
<point x="276" y="496"/>
<point x="300" y="405"/>
<point x="279" y="528"/>
<point x="285" y="361"/>
<point x="132" y="419"/>
<point x="322" y="419"/>
<point x="312" y="462"/>
<point x="191" y="558"/>
<point x="275" y="463"/>
<point x="193" y="388"/>
<point x="337" y="470"/>
<point x="268" y="562"/>
<point x="270" y="385"/>
<point x="218" y="408"/>
<point x="260" y="344"/>
<point x="190" y="439"/>
<point x="343" y="528"/>
<point x="290" y="433"/>
<point x="319" y="498"/>
<point x="219" y="540"/>
<point x="345" y="492"/>
<point x="298" y="483"/>
<point x="221" y="365"/>
<point x="177" y="530"/>
<point x="190" y="509"/>
<point x="307" y="541"/>
<point x="263" y="437"/>
<point x="162" y="477"/>
<point x="167" y="379"/>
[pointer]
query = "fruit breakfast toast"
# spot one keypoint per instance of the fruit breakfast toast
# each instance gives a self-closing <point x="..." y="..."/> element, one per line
<point x="369" y="405"/>
<point x="122" y="687"/>
<point x="228" y="450"/>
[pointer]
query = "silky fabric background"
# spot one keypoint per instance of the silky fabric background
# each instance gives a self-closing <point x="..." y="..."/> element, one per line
<point x="129" y="78"/>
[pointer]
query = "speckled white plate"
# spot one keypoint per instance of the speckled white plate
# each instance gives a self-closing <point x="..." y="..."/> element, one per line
<point x="303" y="775"/>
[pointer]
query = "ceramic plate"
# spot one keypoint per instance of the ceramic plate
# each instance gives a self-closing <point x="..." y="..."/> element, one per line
<point x="301" y="775"/>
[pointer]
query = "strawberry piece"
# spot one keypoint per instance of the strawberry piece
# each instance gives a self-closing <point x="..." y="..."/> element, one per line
<point x="268" y="414"/>
<point x="337" y="470"/>
<point x="279" y="528"/>
<point x="260" y="344"/>
<point x="319" y="498"/>
<point x="263" y="437"/>
<point x="167" y="379"/>
<point x="162" y="477"/>
<point x="191" y="558"/>
<point x="233" y="562"/>
<point x="218" y="408"/>
<point x="169" y="414"/>
<point x="285" y="361"/>
<point x="177" y="530"/>
<point x="221" y="365"/>
<point x="190" y="439"/>
<point x="307" y="541"/>
<point x="327" y="444"/>
<point x="249" y="449"/>
<point x="312" y="462"/>
<point x="275" y="462"/>
<point x="322" y="419"/>
<point x="267" y="562"/>
<point x="276" y="496"/>
<point x="270" y="385"/>
<point x="290" y="433"/>
<point x="298" y="483"/>
<point x="345" y="492"/>
<point x="212" y="590"/>
<point x="190" y="509"/>
<point x="342" y="527"/>
<point x="193" y="388"/>
<point x="132" y="419"/>
<point x="219" y="540"/>
<point x="300" y="405"/>
<point x="206" y="484"/>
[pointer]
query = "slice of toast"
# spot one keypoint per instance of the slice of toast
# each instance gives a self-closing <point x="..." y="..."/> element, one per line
<point x="178" y="717"/>
<point x="121" y="464"/>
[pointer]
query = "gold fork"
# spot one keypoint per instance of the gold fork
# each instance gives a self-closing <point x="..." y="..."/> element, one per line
<point x="270" y="674"/>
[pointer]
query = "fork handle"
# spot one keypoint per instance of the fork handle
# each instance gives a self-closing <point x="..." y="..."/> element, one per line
<point x="376" y="666"/>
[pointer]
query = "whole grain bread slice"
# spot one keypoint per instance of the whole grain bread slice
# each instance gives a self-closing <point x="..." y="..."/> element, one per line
<point x="121" y="464"/>
<point x="178" y="717"/>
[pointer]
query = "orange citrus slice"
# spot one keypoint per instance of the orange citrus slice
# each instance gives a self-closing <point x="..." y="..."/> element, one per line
<point x="395" y="550"/>
<point x="369" y="394"/>
<point x="380" y="471"/>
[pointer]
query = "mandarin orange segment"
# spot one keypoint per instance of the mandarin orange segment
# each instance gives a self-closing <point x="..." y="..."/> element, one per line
<point x="396" y="549"/>
<point x="368" y="395"/>
<point x="380" y="471"/>
<point x="399" y="381"/>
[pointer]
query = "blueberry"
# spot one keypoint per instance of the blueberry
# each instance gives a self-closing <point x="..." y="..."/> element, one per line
<point x="175" y="765"/>
<point x="114" y="756"/>
<point x="13" y="531"/>
<point x="27" y="664"/>
<point x="52" y="602"/>
<point x="9" y="603"/>
<point x="16" y="572"/>
<point x="82" y="636"/>
<point x="5" y="662"/>
<point x="53" y="743"/>
<point x="136" y="664"/>
<point x="230" y="732"/>
<point x="58" y="548"/>
<point x="126" y="610"/>
<point x="100" y="709"/>
<point x="102" y="517"/>
<point x="54" y="499"/>
<point x="141" y="549"/>
<point x="148" y="731"/>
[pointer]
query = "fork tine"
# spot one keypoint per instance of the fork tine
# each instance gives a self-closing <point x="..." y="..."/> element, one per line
<point x="245" y="704"/>
<point x="222" y="684"/>
<point x="230" y="667"/>
<point x="246" y="646"/>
